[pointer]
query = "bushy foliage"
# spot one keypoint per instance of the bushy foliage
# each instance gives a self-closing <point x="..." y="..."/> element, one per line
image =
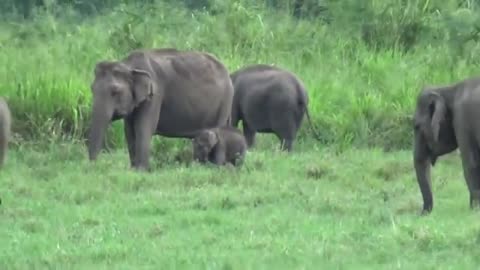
<point x="362" y="61"/>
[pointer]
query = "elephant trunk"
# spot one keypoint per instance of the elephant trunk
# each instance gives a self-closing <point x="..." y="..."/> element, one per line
<point x="100" y="120"/>
<point x="422" y="165"/>
<point x="3" y="146"/>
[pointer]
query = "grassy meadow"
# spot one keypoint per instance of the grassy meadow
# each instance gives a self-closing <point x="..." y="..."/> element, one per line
<point x="349" y="201"/>
<point x="314" y="209"/>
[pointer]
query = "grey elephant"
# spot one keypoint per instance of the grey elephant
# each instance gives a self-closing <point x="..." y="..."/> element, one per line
<point x="164" y="92"/>
<point x="269" y="99"/>
<point x="220" y="145"/>
<point x="446" y="119"/>
<point x="5" y="129"/>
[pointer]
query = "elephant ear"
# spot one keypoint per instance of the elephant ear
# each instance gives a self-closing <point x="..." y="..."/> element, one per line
<point x="437" y="113"/>
<point x="212" y="137"/>
<point x="103" y="66"/>
<point x="142" y="85"/>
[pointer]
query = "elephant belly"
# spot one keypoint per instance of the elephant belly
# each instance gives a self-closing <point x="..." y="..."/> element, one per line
<point x="258" y="120"/>
<point x="175" y="122"/>
<point x="264" y="118"/>
<point x="265" y="105"/>
<point x="265" y="130"/>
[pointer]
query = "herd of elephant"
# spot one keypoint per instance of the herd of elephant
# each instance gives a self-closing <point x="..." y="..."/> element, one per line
<point x="191" y="94"/>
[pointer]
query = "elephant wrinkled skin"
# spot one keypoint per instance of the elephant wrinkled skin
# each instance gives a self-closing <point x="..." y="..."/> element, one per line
<point x="5" y="126"/>
<point x="164" y="92"/>
<point x="446" y="119"/>
<point x="269" y="99"/>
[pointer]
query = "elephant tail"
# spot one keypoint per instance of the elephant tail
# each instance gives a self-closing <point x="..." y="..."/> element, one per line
<point x="303" y="101"/>
<point x="315" y="133"/>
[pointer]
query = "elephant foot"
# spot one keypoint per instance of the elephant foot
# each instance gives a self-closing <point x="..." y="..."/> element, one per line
<point x="141" y="168"/>
<point x="475" y="200"/>
<point x="475" y="205"/>
<point x="425" y="212"/>
<point x="250" y="142"/>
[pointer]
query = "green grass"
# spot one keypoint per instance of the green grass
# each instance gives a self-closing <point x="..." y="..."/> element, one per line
<point x="316" y="208"/>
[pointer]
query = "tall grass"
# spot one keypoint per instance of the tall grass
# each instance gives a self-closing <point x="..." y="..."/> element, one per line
<point x="361" y="94"/>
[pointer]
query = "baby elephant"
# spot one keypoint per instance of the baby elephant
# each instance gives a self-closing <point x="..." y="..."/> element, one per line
<point x="220" y="145"/>
<point x="5" y="122"/>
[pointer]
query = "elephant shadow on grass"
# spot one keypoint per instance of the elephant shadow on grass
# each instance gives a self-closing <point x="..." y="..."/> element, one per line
<point x="171" y="152"/>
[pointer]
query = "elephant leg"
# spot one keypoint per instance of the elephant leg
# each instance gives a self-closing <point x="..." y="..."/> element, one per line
<point x="129" y="131"/>
<point x="235" y="116"/>
<point x="286" y="145"/>
<point x="286" y="130"/>
<point x="143" y="137"/>
<point x="249" y="134"/>
<point x="219" y="157"/>
<point x="471" y="169"/>
<point x="145" y="122"/>
<point x="239" y="160"/>
<point x="472" y="175"/>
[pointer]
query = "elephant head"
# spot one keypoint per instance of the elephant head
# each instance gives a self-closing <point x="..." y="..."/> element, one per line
<point x="203" y="144"/>
<point x="117" y="90"/>
<point x="434" y="135"/>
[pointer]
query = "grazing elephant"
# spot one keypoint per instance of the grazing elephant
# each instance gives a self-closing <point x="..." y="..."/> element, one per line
<point x="269" y="99"/>
<point x="5" y="126"/>
<point x="445" y="118"/>
<point x="164" y="92"/>
<point x="220" y="145"/>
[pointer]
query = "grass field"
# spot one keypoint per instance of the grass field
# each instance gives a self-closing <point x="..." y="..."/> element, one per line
<point x="315" y="209"/>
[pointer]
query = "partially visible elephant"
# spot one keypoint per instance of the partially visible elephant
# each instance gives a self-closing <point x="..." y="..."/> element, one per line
<point x="269" y="99"/>
<point x="446" y="118"/>
<point x="5" y="129"/>
<point x="165" y="92"/>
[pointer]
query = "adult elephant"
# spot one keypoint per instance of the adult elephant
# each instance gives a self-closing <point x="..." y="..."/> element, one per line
<point x="446" y="118"/>
<point x="269" y="99"/>
<point x="165" y="92"/>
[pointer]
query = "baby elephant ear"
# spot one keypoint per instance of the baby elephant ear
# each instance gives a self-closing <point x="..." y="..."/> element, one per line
<point x="142" y="85"/>
<point x="212" y="137"/>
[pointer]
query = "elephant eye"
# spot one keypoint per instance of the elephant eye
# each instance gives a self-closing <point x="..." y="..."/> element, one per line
<point x="115" y="91"/>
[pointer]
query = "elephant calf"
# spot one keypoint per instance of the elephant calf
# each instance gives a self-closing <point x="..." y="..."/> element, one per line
<point x="269" y="99"/>
<point x="5" y="126"/>
<point x="220" y="145"/>
<point x="446" y="119"/>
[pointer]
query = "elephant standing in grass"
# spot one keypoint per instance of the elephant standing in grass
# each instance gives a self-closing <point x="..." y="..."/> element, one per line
<point x="269" y="99"/>
<point x="5" y="126"/>
<point x="447" y="118"/>
<point x="166" y="92"/>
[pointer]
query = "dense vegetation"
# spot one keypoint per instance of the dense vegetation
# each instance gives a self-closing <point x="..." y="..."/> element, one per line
<point x="362" y="61"/>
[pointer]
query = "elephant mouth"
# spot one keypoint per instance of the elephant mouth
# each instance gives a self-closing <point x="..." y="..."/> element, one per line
<point x="117" y="116"/>
<point x="432" y="154"/>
